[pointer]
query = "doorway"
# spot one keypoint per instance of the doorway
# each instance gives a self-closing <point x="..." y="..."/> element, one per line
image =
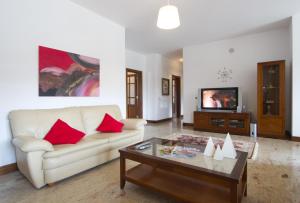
<point x="176" y="97"/>
<point x="134" y="93"/>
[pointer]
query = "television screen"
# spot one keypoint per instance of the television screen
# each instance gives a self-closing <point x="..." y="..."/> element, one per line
<point x="219" y="98"/>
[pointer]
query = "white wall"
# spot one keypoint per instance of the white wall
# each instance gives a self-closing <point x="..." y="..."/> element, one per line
<point x="135" y="60"/>
<point x="153" y="72"/>
<point x="154" y="67"/>
<point x="296" y="76"/>
<point x="172" y="67"/>
<point x="63" y="25"/>
<point x="202" y="63"/>
<point x="158" y="67"/>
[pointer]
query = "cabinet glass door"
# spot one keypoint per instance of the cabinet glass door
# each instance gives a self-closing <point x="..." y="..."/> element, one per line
<point x="271" y="91"/>
<point x="218" y="122"/>
<point x="236" y="123"/>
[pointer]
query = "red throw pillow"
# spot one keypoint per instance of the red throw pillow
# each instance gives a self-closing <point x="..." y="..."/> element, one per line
<point x="62" y="133"/>
<point x="110" y="125"/>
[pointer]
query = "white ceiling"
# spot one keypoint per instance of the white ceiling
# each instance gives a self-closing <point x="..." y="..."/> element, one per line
<point x="201" y="20"/>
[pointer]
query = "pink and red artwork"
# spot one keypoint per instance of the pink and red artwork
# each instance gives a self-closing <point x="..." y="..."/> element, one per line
<point x="67" y="74"/>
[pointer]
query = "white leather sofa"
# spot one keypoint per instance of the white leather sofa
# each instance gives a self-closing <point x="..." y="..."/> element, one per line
<point x="43" y="163"/>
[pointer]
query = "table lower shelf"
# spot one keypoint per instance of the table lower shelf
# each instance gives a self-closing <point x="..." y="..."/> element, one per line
<point x="180" y="187"/>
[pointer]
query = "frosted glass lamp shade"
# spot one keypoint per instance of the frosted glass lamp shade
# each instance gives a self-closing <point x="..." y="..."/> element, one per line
<point x="168" y="17"/>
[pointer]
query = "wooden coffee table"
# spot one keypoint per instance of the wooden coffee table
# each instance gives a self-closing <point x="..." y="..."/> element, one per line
<point x="193" y="179"/>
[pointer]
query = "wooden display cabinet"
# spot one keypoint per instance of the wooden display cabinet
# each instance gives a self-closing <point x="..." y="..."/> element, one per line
<point x="271" y="99"/>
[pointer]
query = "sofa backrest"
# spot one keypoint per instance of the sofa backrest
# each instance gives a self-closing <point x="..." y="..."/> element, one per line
<point x="38" y="122"/>
<point x="93" y="115"/>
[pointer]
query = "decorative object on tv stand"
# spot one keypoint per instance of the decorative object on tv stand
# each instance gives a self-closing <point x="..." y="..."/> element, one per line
<point x="224" y="75"/>
<point x="199" y="100"/>
<point x="64" y="74"/>
<point x="210" y="148"/>
<point x="218" y="154"/>
<point x="244" y="108"/>
<point x="196" y="104"/>
<point x="165" y="86"/>
<point x="168" y="17"/>
<point x="253" y="131"/>
<point x="228" y="148"/>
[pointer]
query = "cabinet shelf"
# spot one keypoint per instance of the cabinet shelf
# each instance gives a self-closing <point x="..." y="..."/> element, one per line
<point x="270" y="88"/>
<point x="269" y="102"/>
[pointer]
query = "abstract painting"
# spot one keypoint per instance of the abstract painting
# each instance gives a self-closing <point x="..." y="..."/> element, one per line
<point x="63" y="73"/>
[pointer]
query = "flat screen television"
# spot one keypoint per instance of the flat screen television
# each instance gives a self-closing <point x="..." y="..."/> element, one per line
<point x="219" y="98"/>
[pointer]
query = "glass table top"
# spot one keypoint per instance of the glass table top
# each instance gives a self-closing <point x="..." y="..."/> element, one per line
<point x="184" y="153"/>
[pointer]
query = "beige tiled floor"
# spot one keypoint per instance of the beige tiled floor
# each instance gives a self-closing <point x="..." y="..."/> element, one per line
<point x="273" y="177"/>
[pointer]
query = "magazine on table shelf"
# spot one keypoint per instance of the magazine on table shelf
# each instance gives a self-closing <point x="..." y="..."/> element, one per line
<point x="179" y="152"/>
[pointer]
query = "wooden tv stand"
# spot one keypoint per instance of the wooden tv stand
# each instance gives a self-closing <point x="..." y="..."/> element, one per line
<point x="222" y="122"/>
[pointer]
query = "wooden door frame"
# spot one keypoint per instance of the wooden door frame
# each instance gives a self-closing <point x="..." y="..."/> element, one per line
<point x="178" y="98"/>
<point x="140" y="91"/>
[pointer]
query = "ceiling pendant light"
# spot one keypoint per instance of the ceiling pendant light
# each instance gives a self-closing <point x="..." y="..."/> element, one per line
<point x="168" y="17"/>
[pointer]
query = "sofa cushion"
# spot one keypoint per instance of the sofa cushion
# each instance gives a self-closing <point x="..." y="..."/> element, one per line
<point x="87" y="147"/>
<point x="62" y="133"/>
<point x="110" y="125"/>
<point x="92" y="115"/>
<point x="86" y="142"/>
<point x="90" y="141"/>
<point x="79" y="158"/>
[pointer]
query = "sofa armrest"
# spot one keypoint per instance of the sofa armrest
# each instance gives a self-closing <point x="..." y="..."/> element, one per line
<point x="31" y="144"/>
<point x="134" y="124"/>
